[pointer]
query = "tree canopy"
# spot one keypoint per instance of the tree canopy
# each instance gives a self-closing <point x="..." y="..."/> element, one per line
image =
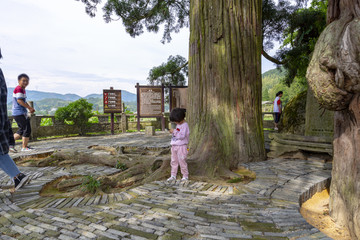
<point x="174" y="72"/>
<point x="139" y="14"/>
<point x="299" y="38"/>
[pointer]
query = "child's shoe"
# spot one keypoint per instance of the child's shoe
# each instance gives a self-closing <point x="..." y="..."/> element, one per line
<point x="184" y="179"/>
<point x="172" y="178"/>
<point x="26" y="149"/>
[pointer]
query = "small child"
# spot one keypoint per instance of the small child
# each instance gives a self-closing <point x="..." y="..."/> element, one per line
<point x="179" y="142"/>
<point x="20" y="113"/>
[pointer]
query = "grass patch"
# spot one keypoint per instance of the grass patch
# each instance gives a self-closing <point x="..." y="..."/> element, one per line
<point x="90" y="184"/>
<point x="235" y="180"/>
<point x="121" y="166"/>
<point x="258" y="226"/>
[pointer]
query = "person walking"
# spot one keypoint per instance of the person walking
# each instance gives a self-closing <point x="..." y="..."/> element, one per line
<point x="277" y="109"/>
<point x="7" y="164"/>
<point x="20" y="112"/>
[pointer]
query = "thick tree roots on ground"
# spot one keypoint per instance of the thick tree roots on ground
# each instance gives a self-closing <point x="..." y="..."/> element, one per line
<point x="135" y="166"/>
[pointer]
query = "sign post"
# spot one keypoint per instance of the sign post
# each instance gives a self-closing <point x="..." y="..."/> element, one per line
<point x="112" y="104"/>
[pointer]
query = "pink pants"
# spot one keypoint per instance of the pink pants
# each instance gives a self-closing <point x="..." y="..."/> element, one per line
<point x="178" y="157"/>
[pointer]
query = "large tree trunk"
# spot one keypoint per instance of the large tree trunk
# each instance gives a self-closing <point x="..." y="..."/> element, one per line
<point x="345" y="184"/>
<point x="334" y="76"/>
<point x="225" y="84"/>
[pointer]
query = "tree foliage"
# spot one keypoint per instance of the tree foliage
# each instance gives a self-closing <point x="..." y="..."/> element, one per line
<point x="272" y="82"/>
<point x="174" y="72"/>
<point x="304" y="28"/>
<point x="78" y="112"/>
<point x="139" y="14"/>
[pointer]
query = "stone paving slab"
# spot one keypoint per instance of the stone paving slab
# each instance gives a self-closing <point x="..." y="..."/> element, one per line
<point x="267" y="208"/>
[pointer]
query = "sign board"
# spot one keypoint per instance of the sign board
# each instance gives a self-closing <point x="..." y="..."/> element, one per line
<point x="178" y="97"/>
<point x="112" y="101"/>
<point x="151" y="101"/>
<point x="318" y="122"/>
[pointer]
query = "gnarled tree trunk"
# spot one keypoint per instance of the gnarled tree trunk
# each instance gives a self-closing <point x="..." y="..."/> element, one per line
<point x="225" y="84"/>
<point x="334" y="76"/>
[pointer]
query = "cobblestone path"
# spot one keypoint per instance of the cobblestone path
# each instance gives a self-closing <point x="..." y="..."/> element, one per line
<point x="267" y="208"/>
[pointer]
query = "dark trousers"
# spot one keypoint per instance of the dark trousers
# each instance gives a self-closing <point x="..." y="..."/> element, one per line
<point x="11" y="135"/>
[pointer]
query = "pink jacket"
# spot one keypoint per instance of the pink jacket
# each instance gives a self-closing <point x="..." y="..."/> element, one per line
<point x="180" y="136"/>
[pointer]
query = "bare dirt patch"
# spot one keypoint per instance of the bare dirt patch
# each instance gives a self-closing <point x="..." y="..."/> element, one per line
<point x="316" y="212"/>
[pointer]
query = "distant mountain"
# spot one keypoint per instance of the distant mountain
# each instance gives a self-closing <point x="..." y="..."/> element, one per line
<point x="46" y="103"/>
<point x="38" y="96"/>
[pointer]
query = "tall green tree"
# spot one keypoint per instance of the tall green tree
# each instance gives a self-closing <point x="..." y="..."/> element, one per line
<point x="224" y="72"/>
<point x="174" y="72"/>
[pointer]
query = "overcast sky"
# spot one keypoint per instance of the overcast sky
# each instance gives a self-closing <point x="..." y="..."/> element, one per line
<point x="63" y="50"/>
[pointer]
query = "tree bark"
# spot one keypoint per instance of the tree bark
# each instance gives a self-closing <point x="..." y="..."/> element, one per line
<point x="333" y="75"/>
<point x="225" y="84"/>
<point x="345" y="183"/>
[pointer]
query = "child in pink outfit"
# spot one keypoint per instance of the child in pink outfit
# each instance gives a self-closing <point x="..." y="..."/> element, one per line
<point x="179" y="142"/>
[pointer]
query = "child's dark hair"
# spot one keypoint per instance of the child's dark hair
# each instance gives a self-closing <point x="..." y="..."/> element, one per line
<point x="280" y="92"/>
<point x="177" y="114"/>
<point x="23" y="75"/>
<point x="0" y="54"/>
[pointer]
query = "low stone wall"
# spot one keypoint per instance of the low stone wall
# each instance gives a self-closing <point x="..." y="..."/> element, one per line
<point x="285" y="143"/>
<point x="123" y="123"/>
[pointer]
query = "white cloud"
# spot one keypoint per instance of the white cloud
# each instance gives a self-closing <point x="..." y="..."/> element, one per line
<point x="57" y="44"/>
<point x="63" y="50"/>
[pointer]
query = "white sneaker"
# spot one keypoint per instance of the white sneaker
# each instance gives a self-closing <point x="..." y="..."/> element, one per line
<point x="172" y="178"/>
<point x="26" y="149"/>
<point x="276" y="129"/>
<point x="184" y="179"/>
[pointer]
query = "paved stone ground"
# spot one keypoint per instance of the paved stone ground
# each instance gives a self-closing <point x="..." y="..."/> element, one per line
<point x="267" y="208"/>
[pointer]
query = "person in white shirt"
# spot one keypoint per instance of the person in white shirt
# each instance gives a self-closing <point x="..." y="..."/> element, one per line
<point x="277" y="108"/>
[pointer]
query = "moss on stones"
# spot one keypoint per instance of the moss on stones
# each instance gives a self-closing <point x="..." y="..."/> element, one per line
<point x="293" y="117"/>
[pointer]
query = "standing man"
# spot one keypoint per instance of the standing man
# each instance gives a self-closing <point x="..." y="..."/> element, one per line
<point x="20" y="112"/>
<point x="6" y="163"/>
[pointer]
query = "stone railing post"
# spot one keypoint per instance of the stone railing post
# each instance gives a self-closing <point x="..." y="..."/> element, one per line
<point x="123" y="123"/>
<point x="33" y="122"/>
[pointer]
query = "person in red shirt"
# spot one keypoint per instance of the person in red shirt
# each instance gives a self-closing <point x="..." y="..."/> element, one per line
<point x="277" y="109"/>
<point x="20" y="111"/>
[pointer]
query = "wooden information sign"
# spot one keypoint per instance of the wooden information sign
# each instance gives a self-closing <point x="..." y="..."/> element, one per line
<point x="178" y="97"/>
<point x="150" y="103"/>
<point x="151" y="100"/>
<point x="112" y="101"/>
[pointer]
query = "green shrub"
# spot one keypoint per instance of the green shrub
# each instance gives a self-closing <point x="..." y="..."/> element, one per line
<point x="46" y="122"/>
<point x="90" y="184"/>
<point x="77" y="112"/>
<point x="121" y="166"/>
